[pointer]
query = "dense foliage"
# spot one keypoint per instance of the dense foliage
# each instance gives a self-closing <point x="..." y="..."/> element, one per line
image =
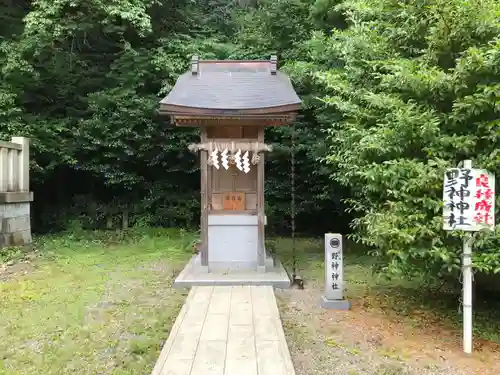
<point x="408" y="89"/>
<point x="83" y="79"/>
<point x="393" y="91"/>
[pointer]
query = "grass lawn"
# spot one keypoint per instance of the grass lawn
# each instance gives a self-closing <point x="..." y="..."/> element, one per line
<point x="98" y="303"/>
<point x="102" y="303"/>
<point x="393" y="328"/>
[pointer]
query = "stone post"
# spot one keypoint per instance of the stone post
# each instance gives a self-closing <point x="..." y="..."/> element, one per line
<point x="334" y="273"/>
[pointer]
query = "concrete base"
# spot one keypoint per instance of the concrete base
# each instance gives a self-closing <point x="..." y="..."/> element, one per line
<point x="232" y="266"/>
<point x="335" y="304"/>
<point x="195" y="274"/>
<point x="233" y="242"/>
<point x="15" y="225"/>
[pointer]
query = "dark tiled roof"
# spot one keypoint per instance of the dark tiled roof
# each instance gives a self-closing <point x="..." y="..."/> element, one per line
<point x="232" y="85"/>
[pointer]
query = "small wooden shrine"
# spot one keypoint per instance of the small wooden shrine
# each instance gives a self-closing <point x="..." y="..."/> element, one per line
<point x="232" y="102"/>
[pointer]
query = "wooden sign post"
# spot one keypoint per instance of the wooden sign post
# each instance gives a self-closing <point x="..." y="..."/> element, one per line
<point x="469" y="205"/>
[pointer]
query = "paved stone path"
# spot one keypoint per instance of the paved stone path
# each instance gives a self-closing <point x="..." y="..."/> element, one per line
<point x="227" y="330"/>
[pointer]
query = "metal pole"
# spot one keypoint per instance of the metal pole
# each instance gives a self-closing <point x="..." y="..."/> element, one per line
<point x="467" y="284"/>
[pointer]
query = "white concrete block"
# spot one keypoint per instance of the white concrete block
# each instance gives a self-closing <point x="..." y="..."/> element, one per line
<point x="9" y="210"/>
<point x="15" y="224"/>
<point x="16" y="239"/>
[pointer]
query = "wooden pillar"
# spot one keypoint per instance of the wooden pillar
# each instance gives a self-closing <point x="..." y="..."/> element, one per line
<point x="204" y="188"/>
<point x="210" y="185"/>
<point x="260" y="206"/>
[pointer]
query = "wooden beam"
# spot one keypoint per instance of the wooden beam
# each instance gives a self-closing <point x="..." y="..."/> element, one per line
<point x="229" y="144"/>
<point x="194" y="121"/>
<point x="173" y="109"/>
<point x="209" y="183"/>
<point x="222" y="123"/>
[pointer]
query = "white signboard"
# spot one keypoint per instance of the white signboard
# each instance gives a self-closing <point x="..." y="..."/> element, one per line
<point x="334" y="268"/>
<point x="469" y="199"/>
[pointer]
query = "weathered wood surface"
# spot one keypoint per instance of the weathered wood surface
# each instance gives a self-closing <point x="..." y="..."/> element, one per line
<point x="231" y="145"/>
<point x="204" y="202"/>
<point x="227" y="330"/>
<point x="260" y="205"/>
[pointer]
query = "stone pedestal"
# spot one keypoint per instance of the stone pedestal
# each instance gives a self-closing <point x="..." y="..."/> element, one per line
<point x="335" y="304"/>
<point x="233" y="242"/>
<point x="15" y="220"/>
<point x="196" y="274"/>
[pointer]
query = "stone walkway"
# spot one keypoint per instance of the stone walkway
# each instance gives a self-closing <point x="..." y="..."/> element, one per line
<point x="227" y="330"/>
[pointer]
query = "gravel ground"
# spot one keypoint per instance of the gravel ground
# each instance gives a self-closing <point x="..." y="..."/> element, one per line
<point x="368" y="341"/>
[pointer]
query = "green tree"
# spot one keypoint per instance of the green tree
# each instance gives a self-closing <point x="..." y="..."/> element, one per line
<point x="82" y="79"/>
<point x="409" y="89"/>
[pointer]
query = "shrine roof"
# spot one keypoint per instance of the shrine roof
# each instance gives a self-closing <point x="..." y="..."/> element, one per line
<point x="223" y="85"/>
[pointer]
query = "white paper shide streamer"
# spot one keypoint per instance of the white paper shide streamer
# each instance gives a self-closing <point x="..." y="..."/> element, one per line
<point x="224" y="159"/>
<point x="246" y="163"/>
<point x="215" y="160"/>
<point x="237" y="160"/>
